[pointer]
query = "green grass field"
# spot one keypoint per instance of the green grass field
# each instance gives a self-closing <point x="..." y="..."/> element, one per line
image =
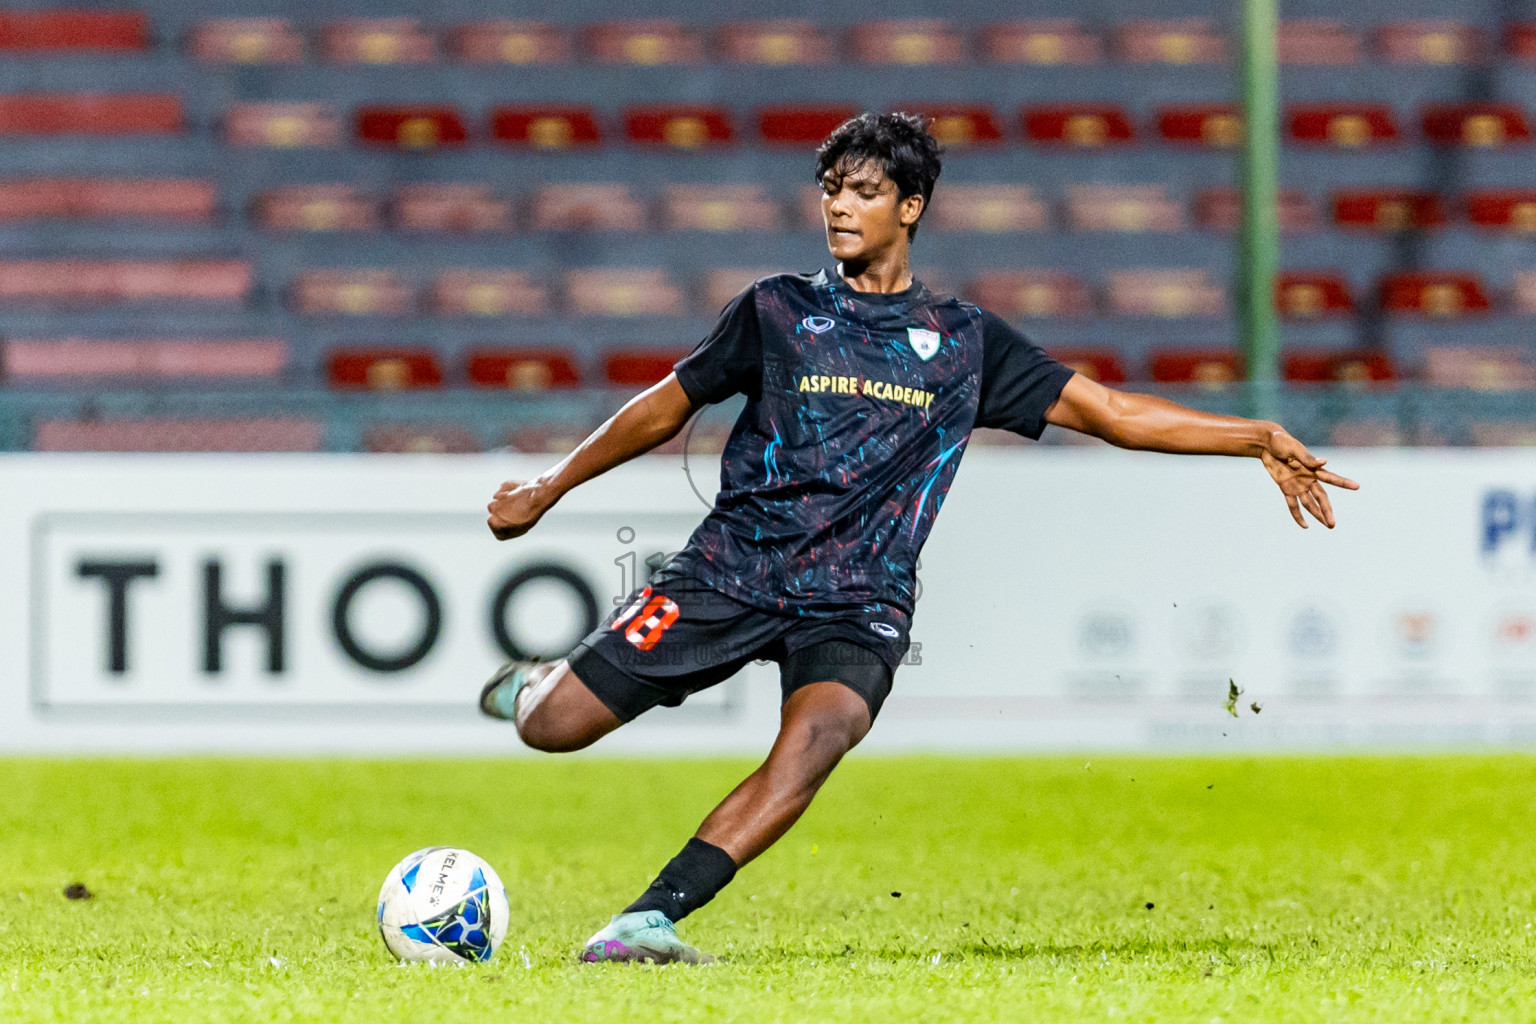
<point x="1144" y="889"/>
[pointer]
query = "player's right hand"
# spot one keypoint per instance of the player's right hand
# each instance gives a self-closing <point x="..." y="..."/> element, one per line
<point x="518" y="505"/>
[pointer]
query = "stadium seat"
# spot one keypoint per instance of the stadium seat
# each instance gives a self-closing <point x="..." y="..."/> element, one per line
<point x="53" y="30"/>
<point x="913" y="42"/>
<point x="1046" y="41"/>
<point x="1317" y="42"/>
<point x="246" y="41"/>
<point x="78" y="282"/>
<point x="96" y="114"/>
<point x="645" y="42"/>
<point x="1206" y="367"/>
<point x="1221" y="209"/>
<point x="383" y="369"/>
<point x="1016" y="294"/>
<point x="1342" y="125"/>
<point x="1312" y="295"/>
<point x="1387" y="210"/>
<point x="1374" y="433"/>
<point x="95" y="359"/>
<point x="1524" y="292"/>
<point x="641" y="368"/>
<point x="256" y="434"/>
<point x="988" y="208"/>
<point x="351" y="293"/>
<point x="724" y="284"/>
<point x="800" y="126"/>
<point x="1176" y="41"/>
<point x="1097" y="364"/>
<point x="488" y="292"/>
<point x="1439" y="294"/>
<point x="547" y="438"/>
<point x="1474" y="125"/>
<point x="1430" y="42"/>
<point x="175" y="200"/>
<point x="1503" y="209"/>
<point x="1520" y="41"/>
<point x="775" y="43"/>
<point x="420" y="439"/>
<point x="512" y="42"/>
<point x="1128" y="208"/>
<point x="377" y="41"/>
<point x="545" y="127"/>
<point x="282" y="125"/>
<point x="522" y="369"/>
<point x="423" y="127"/>
<point x="594" y="207"/>
<point x="680" y="127"/>
<point x="720" y="208"/>
<point x="1481" y="368"/>
<point x="1355" y="367"/>
<point x="1502" y="434"/>
<point x="316" y="208"/>
<point x="623" y="293"/>
<point x="1170" y="294"/>
<point x="1217" y="125"/>
<point x="459" y="209"/>
<point x="1084" y="125"/>
<point x="958" y="125"/>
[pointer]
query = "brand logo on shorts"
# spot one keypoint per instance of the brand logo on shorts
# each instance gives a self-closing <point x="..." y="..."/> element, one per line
<point x="818" y="324"/>
<point x="885" y="629"/>
<point x="924" y="343"/>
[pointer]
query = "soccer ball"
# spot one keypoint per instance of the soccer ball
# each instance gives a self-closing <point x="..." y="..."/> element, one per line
<point x="443" y="905"/>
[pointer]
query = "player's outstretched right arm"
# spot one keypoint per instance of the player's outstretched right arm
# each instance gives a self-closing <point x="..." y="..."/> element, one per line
<point x="651" y="418"/>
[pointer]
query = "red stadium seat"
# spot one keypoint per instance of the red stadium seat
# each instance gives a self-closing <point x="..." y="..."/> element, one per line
<point x="1520" y="41"/>
<point x="1438" y="294"/>
<point x="1344" y="125"/>
<point x="724" y="284"/>
<point x="383" y="369"/>
<point x="93" y="359"/>
<point x="957" y="125"/>
<point x="420" y="439"/>
<point x="1317" y="42"/>
<point x="421" y="127"/>
<point x="1206" y="367"/>
<point x="545" y="127"/>
<point x="1172" y="294"/>
<point x="1358" y="366"/>
<point x="1312" y="294"/>
<point x="547" y="438"/>
<point x="1503" y="209"/>
<point x="512" y="42"/>
<point x="720" y="208"/>
<point x="1388" y="210"/>
<point x="1088" y="126"/>
<point x="1221" y="209"/>
<point x="1482" y="368"/>
<point x="101" y="282"/>
<point x="1524" y="292"/>
<point x="262" y="434"/>
<point x="1129" y="208"/>
<point x="282" y="125"/>
<point x="646" y="42"/>
<point x="98" y="114"/>
<point x="1430" y="42"/>
<point x="623" y="293"/>
<point x="377" y="41"/>
<point x="459" y="209"/>
<point x="1474" y="125"/>
<point x="913" y="42"/>
<point x="1176" y="41"/>
<point x="522" y="369"/>
<point x="775" y="43"/>
<point x="640" y="369"/>
<point x="800" y="125"/>
<point x="1047" y="41"/>
<point x="595" y="207"/>
<point x="1016" y="294"/>
<point x="488" y="292"/>
<point x="246" y="41"/>
<point x="45" y="30"/>
<point x="1097" y="364"/>
<point x="1217" y="125"/>
<point x="177" y="200"/>
<point x="988" y="208"/>
<point x="680" y="127"/>
<point x="351" y="293"/>
<point x="316" y="208"/>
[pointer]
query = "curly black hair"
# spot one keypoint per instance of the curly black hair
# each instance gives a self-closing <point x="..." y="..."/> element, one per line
<point x="899" y="144"/>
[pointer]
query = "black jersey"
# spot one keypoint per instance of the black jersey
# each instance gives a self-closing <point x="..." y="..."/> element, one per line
<point x="859" y="406"/>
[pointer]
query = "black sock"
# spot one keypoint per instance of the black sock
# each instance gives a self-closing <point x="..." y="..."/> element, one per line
<point x="691" y="880"/>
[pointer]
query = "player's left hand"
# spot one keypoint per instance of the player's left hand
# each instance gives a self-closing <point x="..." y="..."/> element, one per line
<point x="1301" y="476"/>
<point x="516" y="508"/>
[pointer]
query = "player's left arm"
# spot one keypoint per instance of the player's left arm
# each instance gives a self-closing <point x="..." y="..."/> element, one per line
<point x="1148" y="423"/>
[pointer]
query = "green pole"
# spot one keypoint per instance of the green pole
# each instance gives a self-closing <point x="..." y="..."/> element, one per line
<point x="1260" y="255"/>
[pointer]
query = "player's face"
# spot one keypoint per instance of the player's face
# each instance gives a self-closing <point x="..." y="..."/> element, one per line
<point x="863" y="212"/>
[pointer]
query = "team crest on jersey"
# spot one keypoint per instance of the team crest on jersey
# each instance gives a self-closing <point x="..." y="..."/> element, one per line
<point x="818" y="324"/>
<point x="924" y="343"/>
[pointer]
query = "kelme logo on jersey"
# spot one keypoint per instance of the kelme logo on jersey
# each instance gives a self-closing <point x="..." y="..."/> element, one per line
<point x="885" y="629"/>
<point x="818" y="324"/>
<point x="924" y="343"/>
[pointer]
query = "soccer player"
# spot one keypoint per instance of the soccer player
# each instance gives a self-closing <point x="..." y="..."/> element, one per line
<point x="862" y="389"/>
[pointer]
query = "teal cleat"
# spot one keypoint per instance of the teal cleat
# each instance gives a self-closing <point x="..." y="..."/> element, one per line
<point x="498" y="698"/>
<point x="642" y="936"/>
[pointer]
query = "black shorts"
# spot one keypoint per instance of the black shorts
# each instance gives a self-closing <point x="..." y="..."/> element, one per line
<point x="678" y="636"/>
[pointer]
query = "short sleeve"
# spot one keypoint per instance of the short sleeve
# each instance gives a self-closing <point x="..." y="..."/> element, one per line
<point x="1019" y="382"/>
<point x="729" y="360"/>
